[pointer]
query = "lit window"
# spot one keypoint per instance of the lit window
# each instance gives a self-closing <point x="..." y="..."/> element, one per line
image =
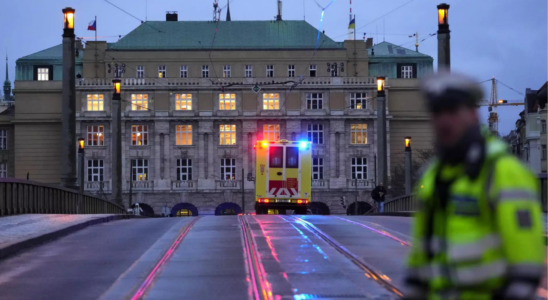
<point x="184" y="71"/>
<point x="95" y="135"/>
<point x="269" y="71"/>
<point x="317" y="168"/>
<point x="183" y="102"/>
<point x="184" y="135"/>
<point x="358" y="100"/>
<point x="3" y="139"/>
<point x="228" y="134"/>
<point x="313" y="69"/>
<point x="205" y="71"/>
<point x="184" y="169"/>
<point x="228" y="169"/>
<point x="315" y="133"/>
<point x="43" y="74"/>
<point x="139" y="135"/>
<point x="139" y="169"/>
<point x="406" y="71"/>
<point x="358" y="134"/>
<point x="227" y="102"/>
<point x="271" y="132"/>
<point x="140" y="72"/>
<point x="359" y="168"/>
<point x="139" y="102"/>
<point x="3" y="170"/>
<point x="95" y="102"/>
<point x="248" y="71"/>
<point x="95" y="170"/>
<point x="291" y="71"/>
<point x="271" y="101"/>
<point x="161" y="71"/>
<point x="226" y="71"/>
<point x="314" y="101"/>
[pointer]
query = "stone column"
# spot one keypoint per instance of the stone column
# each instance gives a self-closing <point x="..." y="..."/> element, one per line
<point x="444" y="37"/>
<point x="381" y="139"/>
<point x="68" y="116"/>
<point x="161" y="141"/>
<point x="116" y="148"/>
<point x="249" y="128"/>
<point x="205" y="155"/>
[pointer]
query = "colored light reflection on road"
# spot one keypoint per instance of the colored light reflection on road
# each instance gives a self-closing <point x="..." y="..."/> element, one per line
<point x="381" y="232"/>
<point x="308" y="239"/>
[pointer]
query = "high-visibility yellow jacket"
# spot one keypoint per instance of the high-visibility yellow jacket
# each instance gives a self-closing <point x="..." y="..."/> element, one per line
<point x="487" y="241"/>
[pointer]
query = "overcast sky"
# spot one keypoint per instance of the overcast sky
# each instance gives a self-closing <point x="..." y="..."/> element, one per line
<point x="503" y="38"/>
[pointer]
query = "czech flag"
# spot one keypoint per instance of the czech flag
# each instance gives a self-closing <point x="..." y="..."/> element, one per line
<point x="92" y="25"/>
<point x="352" y="24"/>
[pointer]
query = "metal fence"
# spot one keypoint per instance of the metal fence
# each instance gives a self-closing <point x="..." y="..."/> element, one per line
<point x="28" y="197"/>
<point x="400" y="204"/>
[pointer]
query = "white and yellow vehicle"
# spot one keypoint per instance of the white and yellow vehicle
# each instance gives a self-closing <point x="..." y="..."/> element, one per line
<point x="283" y="177"/>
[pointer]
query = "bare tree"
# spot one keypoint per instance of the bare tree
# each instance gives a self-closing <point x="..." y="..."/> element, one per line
<point x="397" y="180"/>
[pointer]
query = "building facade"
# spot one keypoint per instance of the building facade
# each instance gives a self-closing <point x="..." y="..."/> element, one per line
<point x="197" y="96"/>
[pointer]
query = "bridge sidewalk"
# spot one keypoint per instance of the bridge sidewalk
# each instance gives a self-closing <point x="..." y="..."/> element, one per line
<point x="21" y="232"/>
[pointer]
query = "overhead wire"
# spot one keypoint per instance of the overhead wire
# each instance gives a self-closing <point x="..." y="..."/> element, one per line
<point x="509" y="87"/>
<point x="126" y="12"/>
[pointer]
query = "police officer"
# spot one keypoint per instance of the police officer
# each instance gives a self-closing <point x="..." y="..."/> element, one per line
<point x="478" y="233"/>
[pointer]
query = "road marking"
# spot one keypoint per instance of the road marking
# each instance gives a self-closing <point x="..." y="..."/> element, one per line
<point x="381" y="279"/>
<point x="145" y="287"/>
<point x="381" y="232"/>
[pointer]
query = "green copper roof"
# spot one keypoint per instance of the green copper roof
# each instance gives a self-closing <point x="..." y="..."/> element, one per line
<point x="386" y="49"/>
<point x="52" y="53"/>
<point x="193" y="35"/>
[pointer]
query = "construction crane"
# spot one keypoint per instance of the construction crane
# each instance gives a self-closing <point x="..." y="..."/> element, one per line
<point x="492" y="105"/>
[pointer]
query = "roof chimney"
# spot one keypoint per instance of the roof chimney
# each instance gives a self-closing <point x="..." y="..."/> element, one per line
<point x="369" y="43"/>
<point x="172" y="16"/>
<point x="279" y="16"/>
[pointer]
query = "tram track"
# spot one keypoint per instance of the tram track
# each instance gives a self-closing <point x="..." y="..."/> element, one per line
<point x="369" y="271"/>
<point x="260" y="288"/>
<point x="148" y="283"/>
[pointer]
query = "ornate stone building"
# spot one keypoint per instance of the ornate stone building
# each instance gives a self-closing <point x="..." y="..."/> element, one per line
<point x="198" y="95"/>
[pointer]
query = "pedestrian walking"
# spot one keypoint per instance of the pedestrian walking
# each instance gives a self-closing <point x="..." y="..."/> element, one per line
<point x="378" y="194"/>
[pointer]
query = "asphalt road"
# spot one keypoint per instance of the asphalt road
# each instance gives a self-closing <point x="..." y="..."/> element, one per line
<point x="226" y="257"/>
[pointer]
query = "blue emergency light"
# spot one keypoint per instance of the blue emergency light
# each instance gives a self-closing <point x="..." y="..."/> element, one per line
<point x="303" y="145"/>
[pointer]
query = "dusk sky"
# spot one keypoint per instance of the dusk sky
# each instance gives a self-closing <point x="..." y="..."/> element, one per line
<point x="504" y="38"/>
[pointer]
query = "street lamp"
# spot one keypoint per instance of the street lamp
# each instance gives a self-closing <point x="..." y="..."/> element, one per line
<point x="443" y="14"/>
<point x="380" y="86"/>
<point x="68" y="102"/>
<point x="81" y="157"/>
<point x="407" y="143"/>
<point x="382" y="152"/>
<point x="408" y="166"/>
<point x="68" y="23"/>
<point x="117" y="143"/>
<point x="444" y="46"/>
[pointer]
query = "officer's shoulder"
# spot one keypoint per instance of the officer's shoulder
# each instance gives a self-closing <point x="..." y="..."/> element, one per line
<point x="509" y="167"/>
<point x="428" y="168"/>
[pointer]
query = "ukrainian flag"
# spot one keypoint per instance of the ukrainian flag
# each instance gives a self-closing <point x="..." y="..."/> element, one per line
<point x="352" y="24"/>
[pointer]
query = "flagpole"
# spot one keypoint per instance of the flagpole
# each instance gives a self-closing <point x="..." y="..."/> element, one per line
<point x="96" y="28"/>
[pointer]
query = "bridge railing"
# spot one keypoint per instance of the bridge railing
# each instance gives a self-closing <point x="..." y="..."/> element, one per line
<point x="405" y="203"/>
<point x="28" y="197"/>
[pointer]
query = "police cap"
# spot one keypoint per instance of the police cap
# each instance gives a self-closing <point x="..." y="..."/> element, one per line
<point x="448" y="91"/>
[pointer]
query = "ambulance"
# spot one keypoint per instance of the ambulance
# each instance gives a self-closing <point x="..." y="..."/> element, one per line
<point x="283" y="177"/>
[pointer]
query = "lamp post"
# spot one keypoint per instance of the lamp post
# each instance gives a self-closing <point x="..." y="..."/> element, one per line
<point x="117" y="143"/>
<point x="408" y="166"/>
<point x="444" y="49"/>
<point x="381" y="132"/>
<point x="68" y="116"/>
<point x="81" y="157"/>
